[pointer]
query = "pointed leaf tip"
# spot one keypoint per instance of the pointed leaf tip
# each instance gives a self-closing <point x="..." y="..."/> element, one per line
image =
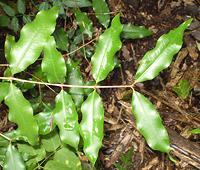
<point x="109" y="43"/>
<point x="159" y="58"/>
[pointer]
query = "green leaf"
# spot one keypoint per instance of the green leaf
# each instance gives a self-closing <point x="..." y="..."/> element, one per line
<point x="75" y="77"/>
<point x="109" y="43"/>
<point x="26" y="19"/>
<point x="13" y="160"/>
<point x="4" y="89"/>
<point x="44" y="6"/>
<point x="22" y="116"/>
<point x="198" y="45"/>
<point x="77" y="3"/>
<point x="4" y="21"/>
<point x="149" y="123"/>
<point x="33" y="36"/>
<point x="51" y="141"/>
<point x="45" y="122"/>
<point x="9" y="43"/>
<point x="21" y="7"/>
<point x="91" y="126"/>
<point x="195" y="131"/>
<point x="53" y="63"/>
<point x="182" y="89"/>
<point x="64" y="159"/>
<point x="135" y="32"/>
<point x="31" y="155"/>
<point x="84" y="22"/>
<point x="161" y="56"/>
<point x="14" y="24"/>
<point x="8" y="10"/>
<point x="66" y="118"/>
<point x="101" y="10"/>
<point x="61" y="38"/>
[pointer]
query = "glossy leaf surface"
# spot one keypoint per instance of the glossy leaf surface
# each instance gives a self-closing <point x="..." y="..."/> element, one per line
<point x="109" y="43"/>
<point x="84" y="22"/>
<point x="22" y="116"/>
<point x="66" y="118"/>
<point x="9" y="43"/>
<point x="13" y="160"/>
<point x="91" y="126"/>
<point x="101" y="10"/>
<point x="64" y="159"/>
<point x="161" y="56"/>
<point x="33" y="36"/>
<point x="53" y="63"/>
<point x="51" y="141"/>
<point x="45" y="122"/>
<point x="75" y="77"/>
<point x="77" y="3"/>
<point x="4" y="89"/>
<point x="135" y="32"/>
<point x="149" y="123"/>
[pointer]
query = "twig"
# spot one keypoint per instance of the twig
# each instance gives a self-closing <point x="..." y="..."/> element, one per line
<point x="66" y="85"/>
<point x="7" y="138"/>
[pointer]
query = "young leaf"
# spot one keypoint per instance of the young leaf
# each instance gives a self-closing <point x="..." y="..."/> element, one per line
<point x="195" y="131"/>
<point x="61" y="38"/>
<point x="109" y="43"/>
<point x="9" y="43"/>
<point x="77" y="3"/>
<point x="4" y="89"/>
<point x="161" y="56"/>
<point x="51" y="141"/>
<point x="149" y="123"/>
<point x="66" y="118"/>
<point x="182" y="89"/>
<point x="135" y="32"/>
<point x="91" y="126"/>
<point x="84" y="22"/>
<point x="33" y="36"/>
<point x="21" y="7"/>
<point x="45" y="122"/>
<point x="8" y="10"/>
<point x="64" y="159"/>
<point x="13" y="159"/>
<point x="22" y="116"/>
<point x="74" y="77"/>
<point x="101" y="10"/>
<point x="53" y="63"/>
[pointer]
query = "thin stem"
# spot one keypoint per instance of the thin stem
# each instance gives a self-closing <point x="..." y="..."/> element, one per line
<point x="65" y="85"/>
<point x="4" y="65"/>
<point x="7" y="138"/>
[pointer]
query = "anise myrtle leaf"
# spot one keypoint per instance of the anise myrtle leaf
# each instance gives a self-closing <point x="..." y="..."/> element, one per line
<point x="33" y="36"/>
<point x="149" y="123"/>
<point x="91" y="126"/>
<point x="66" y="118"/>
<point x="53" y="63"/>
<point x="21" y="113"/>
<point x="13" y="159"/>
<point x="109" y="43"/>
<point x="160" y="57"/>
<point x="135" y="32"/>
<point x="101" y="10"/>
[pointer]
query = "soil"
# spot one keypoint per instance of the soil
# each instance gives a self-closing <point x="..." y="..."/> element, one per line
<point x="179" y="116"/>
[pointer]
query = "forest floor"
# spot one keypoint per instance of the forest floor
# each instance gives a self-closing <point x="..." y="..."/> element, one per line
<point x="179" y="116"/>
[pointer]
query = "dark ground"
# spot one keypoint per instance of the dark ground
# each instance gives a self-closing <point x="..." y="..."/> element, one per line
<point x="179" y="116"/>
